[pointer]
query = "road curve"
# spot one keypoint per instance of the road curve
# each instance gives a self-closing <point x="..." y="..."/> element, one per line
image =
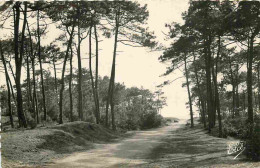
<point x="126" y="153"/>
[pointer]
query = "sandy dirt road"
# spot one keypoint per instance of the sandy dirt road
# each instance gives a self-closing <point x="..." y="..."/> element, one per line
<point x="128" y="152"/>
<point x="171" y="146"/>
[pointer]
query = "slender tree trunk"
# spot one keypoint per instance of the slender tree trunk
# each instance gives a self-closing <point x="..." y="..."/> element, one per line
<point x="107" y="103"/>
<point x="203" y="103"/>
<point x="201" y="100"/>
<point x="12" y="71"/>
<point x="18" y="61"/>
<point x="215" y="78"/>
<point x="63" y="72"/>
<point x="9" y="102"/>
<point x="233" y="89"/>
<point x="29" y="90"/>
<point x="80" y="106"/>
<point x="255" y="98"/>
<point x="200" y="110"/>
<point x="112" y="79"/>
<point x="206" y="109"/>
<point x="188" y="89"/>
<point x="249" y="86"/>
<point x="11" y="87"/>
<point x="213" y="96"/>
<point x="96" y="82"/>
<point x="32" y="60"/>
<point x="237" y="94"/>
<point x="70" y="87"/>
<point x="244" y="101"/>
<point x="258" y="85"/>
<point x="55" y="75"/>
<point x="12" y="90"/>
<point x="8" y="87"/>
<point x="41" y="70"/>
<point x="233" y="101"/>
<point x="91" y="75"/>
<point x="208" y="78"/>
<point x="36" y="117"/>
<point x="34" y="99"/>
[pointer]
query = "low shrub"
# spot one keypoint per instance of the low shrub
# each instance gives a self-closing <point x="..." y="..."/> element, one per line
<point x="52" y="113"/>
<point x="253" y="146"/>
<point x="235" y="127"/>
<point x="129" y="124"/>
<point x="253" y="142"/>
<point x="32" y="123"/>
<point x="239" y="128"/>
<point x="151" y="120"/>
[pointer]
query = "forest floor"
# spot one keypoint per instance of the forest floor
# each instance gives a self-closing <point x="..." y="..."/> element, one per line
<point x="40" y="146"/>
<point x="85" y="145"/>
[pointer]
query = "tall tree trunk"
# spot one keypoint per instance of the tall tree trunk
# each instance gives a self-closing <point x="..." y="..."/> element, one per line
<point x="188" y="89"/>
<point x="12" y="90"/>
<point x="18" y="60"/>
<point x="70" y="87"/>
<point x="214" y="106"/>
<point x="36" y="117"/>
<point x="34" y="99"/>
<point x="63" y="72"/>
<point x="55" y="75"/>
<point x="112" y="79"/>
<point x="258" y="85"/>
<point x="233" y="89"/>
<point x="215" y="78"/>
<point x="11" y="87"/>
<point x="96" y="82"/>
<point x="29" y="91"/>
<point x="201" y="100"/>
<point x="12" y="71"/>
<point x="237" y="94"/>
<point x="41" y="70"/>
<point x="203" y="104"/>
<point x="8" y="87"/>
<point x="249" y="86"/>
<point x="80" y="106"/>
<point x="206" y="109"/>
<point x="107" y="103"/>
<point x="91" y="75"/>
<point x="32" y="60"/>
<point x="208" y="79"/>
<point x="213" y="97"/>
<point x="244" y="101"/>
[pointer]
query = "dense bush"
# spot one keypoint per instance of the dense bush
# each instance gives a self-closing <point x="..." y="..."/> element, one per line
<point x="238" y="127"/>
<point x="129" y="124"/>
<point x="52" y="113"/>
<point x="151" y="120"/>
<point x="235" y="127"/>
<point x="253" y="146"/>
<point x="253" y="142"/>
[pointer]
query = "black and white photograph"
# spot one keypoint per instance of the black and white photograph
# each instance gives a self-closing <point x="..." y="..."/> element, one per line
<point x="130" y="84"/>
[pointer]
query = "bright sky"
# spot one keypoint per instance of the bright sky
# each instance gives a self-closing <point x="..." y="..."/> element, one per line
<point x="139" y="67"/>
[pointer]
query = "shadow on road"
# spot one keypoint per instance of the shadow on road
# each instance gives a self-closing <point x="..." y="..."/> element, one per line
<point x="170" y="146"/>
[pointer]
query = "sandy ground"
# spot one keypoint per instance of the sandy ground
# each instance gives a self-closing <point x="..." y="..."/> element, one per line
<point x="171" y="146"/>
<point x="40" y="146"/>
<point x="129" y="152"/>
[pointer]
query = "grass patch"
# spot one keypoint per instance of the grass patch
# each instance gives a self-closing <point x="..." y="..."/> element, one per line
<point x="40" y="146"/>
